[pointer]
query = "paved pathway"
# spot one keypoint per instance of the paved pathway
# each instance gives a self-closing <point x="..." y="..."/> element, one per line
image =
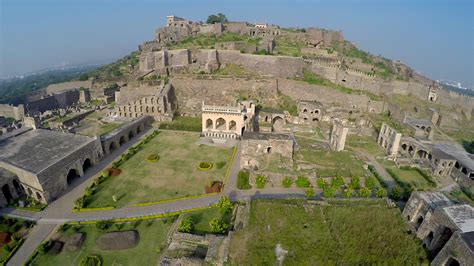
<point x="378" y="167"/>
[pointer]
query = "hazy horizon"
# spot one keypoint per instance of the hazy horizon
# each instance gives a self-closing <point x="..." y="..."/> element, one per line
<point x="436" y="38"/>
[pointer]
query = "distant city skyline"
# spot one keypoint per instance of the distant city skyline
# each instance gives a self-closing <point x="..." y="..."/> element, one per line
<point x="436" y="38"/>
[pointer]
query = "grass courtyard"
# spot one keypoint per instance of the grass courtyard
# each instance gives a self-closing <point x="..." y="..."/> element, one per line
<point x="342" y="233"/>
<point x="92" y="125"/>
<point x="152" y="233"/>
<point x="174" y="175"/>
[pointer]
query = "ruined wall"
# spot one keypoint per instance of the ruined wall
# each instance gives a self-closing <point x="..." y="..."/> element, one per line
<point x="67" y="86"/>
<point x="17" y="112"/>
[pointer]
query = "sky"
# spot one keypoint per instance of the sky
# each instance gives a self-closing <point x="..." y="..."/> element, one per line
<point x="435" y="37"/>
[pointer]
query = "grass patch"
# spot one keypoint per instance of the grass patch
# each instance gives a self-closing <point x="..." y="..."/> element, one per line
<point x="343" y="233"/>
<point x="201" y="219"/>
<point x="183" y="123"/>
<point x="364" y="143"/>
<point x="152" y="239"/>
<point x="175" y="175"/>
<point x="413" y="177"/>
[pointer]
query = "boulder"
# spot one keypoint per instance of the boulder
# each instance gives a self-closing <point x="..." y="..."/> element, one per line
<point x="75" y="241"/>
<point x="118" y="240"/>
<point x="55" y="248"/>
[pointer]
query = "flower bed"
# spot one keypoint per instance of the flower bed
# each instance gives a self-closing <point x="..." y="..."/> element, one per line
<point x="153" y="158"/>
<point x="215" y="187"/>
<point x="204" y="166"/>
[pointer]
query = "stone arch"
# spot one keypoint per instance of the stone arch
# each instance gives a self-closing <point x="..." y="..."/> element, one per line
<point x="220" y="124"/>
<point x="112" y="146"/>
<point x="147" y="109"/>
<point x="421" y="154"/>
<point x="28" y="190"/>
<point x="429" y="238"/>
<point x="305" y="110"/>
<point x="232" y="125"/>
<point x="419" y="221"/>
<point x="209" y="124"/>
<point x="17" y="187"/>
<point x="315" y="119"/>
<point x="277" y="123"/>
<point x="442" y="240"/>
<point x="38" y="196"/>
<point x="269" y="150"/>
<point x="122" y="140"/>
<point x="131" y="134"/>
<point x="86" y="165"/>
<point x="165" y="104"/>
<point x="72" y="175"/>
<point x="7" y="194"/>
<point x="404" y="146"/>
<point x="452" y="262"/>
<point x="153" y="109"/>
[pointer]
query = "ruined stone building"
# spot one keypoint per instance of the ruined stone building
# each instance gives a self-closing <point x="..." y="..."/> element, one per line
<point x="338" y="136"/>
<point x="389" y="140"/>
<point x="445" y="228"/>
<point x="257" y="147"/>
<point x="228" y="122"/>
<point x="42" y="163"/>
<point x="310" y="112"/>
<point x="157" y="102"/>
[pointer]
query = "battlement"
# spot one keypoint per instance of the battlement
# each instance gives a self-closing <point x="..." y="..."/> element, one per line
<point x="222" y="109"/>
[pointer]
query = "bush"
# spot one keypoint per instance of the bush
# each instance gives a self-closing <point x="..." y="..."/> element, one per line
<point x="186" y="225"/>
<point x="337" y="181"/>
<point x="370" y="182"/>
<point x="364" y="192"/>
<point x="153" y="158"/>
<point x="219" y="165"/>
<point x="348" y="192"/>
<point x="309" y="193"/>
<point x="321" y="183"/>
<point x="396" y="193"/>
<point x="260" y="181"/>
<point x="217" y="226"/>
<point x="6" y="248"/>
<point x="407" y="188"/>
<point x="243" y="180"/>
<point x="204" y="166"/>
<point x="381" y="192"/>
<point x="302" y="182"/>
<point x="91" y="261"/>
<point x="79" y="203"/>
<point x="329" y="192"/>
<point x="44" y="247"/>
<point x="286" y="182"/>
<point x="103" y="225"/>
<point x="224" y="205"/>
<point x="377" y="175"/>
<point x="355" y="182"/>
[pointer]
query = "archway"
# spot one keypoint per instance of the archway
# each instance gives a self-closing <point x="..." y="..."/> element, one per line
<point x="443" y="239"/>
<point x="29" y="191"/>
<point x="112" y="146"/>
<point x="7" y="193"/>
<point x="232" y="125"/>
<point x="209" y="124"/>
<point x="452" y="262"/>
<point x="131" y="134"/>
<point x="38" y="196"/>
<point x="419" y="222"/>
<point x="17" y="186"/>
<point x="404" y="147"/>
<point x="122" y="140"/>
<point x="421" y="154"/>
<point x="220" y="124"/>
<point x="429" y="238"/>
<point x="277" y="124"/>
<point x="71" y="176"/>
<point x="86" y="165"/>
<point x="269" y="149"/>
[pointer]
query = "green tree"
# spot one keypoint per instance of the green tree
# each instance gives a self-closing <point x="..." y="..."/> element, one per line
<point x="337" y="181"/>
<point x="217" y="18"/>
<point x="370" y="182"/>
<point x="364" y="192"/>
<point x="355" y="182"/>
<point x="83" y="77"/>
<point x="309" y="193"/>
<point x="348" y="192"/>
<point x="224" y="204"/>
<point x="218" y="226"/>
<point x="329" y="192"/>
<point x="302" y="181"/>
<point x="321" y="183"/>
<point x="286" y="182"/>
<point x="381" y="192"/>
<point x="186" y="225"/>
<point x="396" y="193"/>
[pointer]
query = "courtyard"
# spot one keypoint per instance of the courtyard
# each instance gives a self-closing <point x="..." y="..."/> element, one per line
<point x="175" y="173"/>
<point x="92" y="125"/>
<point x="354" y="233"/>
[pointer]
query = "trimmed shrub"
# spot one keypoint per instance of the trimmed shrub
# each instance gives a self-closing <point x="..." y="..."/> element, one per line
<point x="381" y="192"/>
<point x="186" y="225"/>
<point x="370" y="182"/>
<point x="260" y="181"/>
<point x="337" y="181"/>
<point x="407" y="187"/>
<point x="348" y="192"/>
<point x="329" y="191"/>
<point x="91" y="261"/>
<point x="218" y="226"/>
<point x="286" y="182"/>
<point x="302" y="182"/>
<point x="309" y="193"/>
<point x="243" y="180"/>
<point x="153" y="158"/>
<point x="224" y="204"/>
<point x="103" y="225"/>
<point x="204" y="166"/>
<point x="395" y="194"/>
<point x="321" y="183"/>
<point x="364" y="192"/>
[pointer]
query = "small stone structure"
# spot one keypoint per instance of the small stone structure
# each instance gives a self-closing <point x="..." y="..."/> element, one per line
<point x="228" y="122"/>
<point x="310" y="112"/>
<point x="446" y="229"/>
<point x="118" y="240"/>
<point x="45" y="162"/>
<point x="257" y="146"/>
<point x="389" y="140"/>
<point x="338" y="136"/>
<point x="422" y="129"/>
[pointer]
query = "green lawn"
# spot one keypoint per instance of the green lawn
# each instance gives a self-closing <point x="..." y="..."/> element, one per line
<point x="202" y="219"/>
<point x="93" y="126"/>
<point x="152" y="239"/>
<point x="412" y="176"/>
<point x="364" y="143"/>
<point x="175" y="175"/>
<point x="342" y="233"/>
